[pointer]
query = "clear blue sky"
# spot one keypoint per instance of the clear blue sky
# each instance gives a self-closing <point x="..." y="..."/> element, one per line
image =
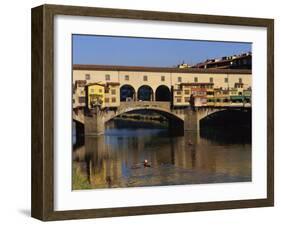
<point x="109" y="50"/>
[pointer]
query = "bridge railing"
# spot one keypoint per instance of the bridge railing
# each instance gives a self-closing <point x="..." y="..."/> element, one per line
<point x="156" y="104"/>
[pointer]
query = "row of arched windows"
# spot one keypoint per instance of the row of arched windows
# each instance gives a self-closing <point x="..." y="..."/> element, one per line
<point x="144" y="93"/>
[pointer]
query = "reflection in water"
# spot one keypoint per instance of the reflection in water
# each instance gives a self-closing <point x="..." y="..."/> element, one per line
<point x="117" y="158"/>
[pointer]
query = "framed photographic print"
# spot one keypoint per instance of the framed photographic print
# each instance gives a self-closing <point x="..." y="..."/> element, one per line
<point x="141" y="112"/>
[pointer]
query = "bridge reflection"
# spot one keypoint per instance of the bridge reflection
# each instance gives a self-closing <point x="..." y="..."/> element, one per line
<point x="114" y="160"/>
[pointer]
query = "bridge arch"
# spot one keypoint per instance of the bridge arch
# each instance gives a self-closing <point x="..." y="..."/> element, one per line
<point x="145" y="93"/>
<point x="226" y="118"/>
<point x="127" y="92"/>
<point x="176" y="123"/>
<point x="161" y="111"/>
<point x="162" y="93"/>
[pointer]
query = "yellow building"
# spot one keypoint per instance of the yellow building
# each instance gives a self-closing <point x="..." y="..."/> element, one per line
<point x="181" y="95"/>
<point x="210" y="96"/>
<point x="105" y="95"/>
<point x="221" y="97"/>
<point x="240" y="87"/>
<point x="95" y="95"/>
<point x="198" y="90"/>
<point x="112" y="94"/>
<point x="78" y="98"/>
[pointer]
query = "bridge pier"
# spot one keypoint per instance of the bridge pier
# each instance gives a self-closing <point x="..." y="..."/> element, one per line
<point x="94" y="122"/>
<point x="191" y="119"/>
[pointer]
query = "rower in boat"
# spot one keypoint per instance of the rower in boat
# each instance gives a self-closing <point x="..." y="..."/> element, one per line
<point x="146" y="164"/>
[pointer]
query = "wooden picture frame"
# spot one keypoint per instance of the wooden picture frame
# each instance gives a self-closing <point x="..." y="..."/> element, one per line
<point x="43" y="112"/>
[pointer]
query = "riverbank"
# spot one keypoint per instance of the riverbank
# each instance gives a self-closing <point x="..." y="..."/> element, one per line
<point x="79" y="180"/>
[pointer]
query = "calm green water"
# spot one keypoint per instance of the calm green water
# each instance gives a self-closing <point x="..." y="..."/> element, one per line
<point x="116" y="159"/>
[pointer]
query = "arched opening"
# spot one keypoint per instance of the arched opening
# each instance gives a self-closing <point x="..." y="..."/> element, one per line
<point x="163" y="93"/>
<point x="127" y="93"/>
<point x="146" y="119"/>
<point x="228" y="126"/>
<point x="228" y="119"/>
<point x="145" y="93"/>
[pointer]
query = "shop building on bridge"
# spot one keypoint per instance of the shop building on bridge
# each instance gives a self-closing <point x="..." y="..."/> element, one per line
<point x="115" y="84"/>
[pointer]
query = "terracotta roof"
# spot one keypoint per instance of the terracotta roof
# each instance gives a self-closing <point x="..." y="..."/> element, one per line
<point x="98" y="84"/>
<point x="222" y="61"/>
<point x="94" y="67"/>
<point x="198" y="89"/>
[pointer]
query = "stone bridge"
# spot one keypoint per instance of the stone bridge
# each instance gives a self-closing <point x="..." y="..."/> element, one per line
<point x="179" y="119"/>
<point x="156" y="106"/>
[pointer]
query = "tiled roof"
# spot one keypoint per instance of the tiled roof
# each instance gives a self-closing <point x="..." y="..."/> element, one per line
<point x="94" y="67"/>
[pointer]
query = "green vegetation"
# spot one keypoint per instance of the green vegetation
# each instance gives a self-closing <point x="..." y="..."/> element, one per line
<point x="79" y="181"/>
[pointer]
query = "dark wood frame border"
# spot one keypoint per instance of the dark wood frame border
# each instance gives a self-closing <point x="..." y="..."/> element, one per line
<point x="42" y="202"/>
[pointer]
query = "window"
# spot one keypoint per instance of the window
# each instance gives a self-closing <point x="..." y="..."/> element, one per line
<point x="195" y="79"/>
<point x="226" y="80"/>
<point x="87" y="76"/>
<point x="145" y="78"/>
<point x="186" y="92"/>
<point x="186" y="99"/>
<point x="162" y="78"/>
<point x="82" y="83"/>
<point x="211" y="80"/>
<point x="107" y="77"/>
<point x="106" y="100"/>
<point x="240" y="80"/>
<point x="178" y="100"/>
<point x="127" y="77"/>
<point x="179" y="79"/>
<point x="113" y="91"/>
<point x="100" y="90"/>
<point x="179" y="92"/>
<point x="113" y="99"/>
<point x="81" y="100"/>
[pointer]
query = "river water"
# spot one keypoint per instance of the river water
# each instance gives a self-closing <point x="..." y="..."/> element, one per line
<point x="116" y="158"/>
